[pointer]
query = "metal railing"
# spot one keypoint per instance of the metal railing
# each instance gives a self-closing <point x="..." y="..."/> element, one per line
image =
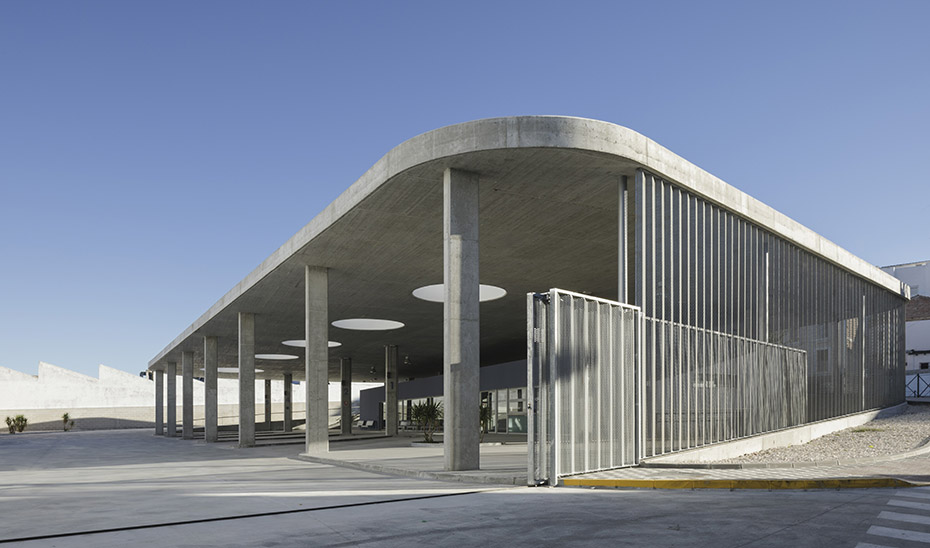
<point x="917" y="385"/>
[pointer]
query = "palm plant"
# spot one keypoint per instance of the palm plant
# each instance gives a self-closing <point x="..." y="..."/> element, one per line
<point x="427" y="415"/>
<point x="17" y="423"/>
<point x="485" y="417"/>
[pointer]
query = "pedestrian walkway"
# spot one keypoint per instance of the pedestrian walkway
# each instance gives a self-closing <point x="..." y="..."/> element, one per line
<point x="905" y="521"/>
<point x="891" y="473"/>
<point x="503" y="459"/>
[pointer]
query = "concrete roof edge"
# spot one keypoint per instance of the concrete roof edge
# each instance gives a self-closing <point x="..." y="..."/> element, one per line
<point x="545" y="132"/>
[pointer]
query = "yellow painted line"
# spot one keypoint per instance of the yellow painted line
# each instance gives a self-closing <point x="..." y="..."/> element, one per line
<point x="837" y="483"/>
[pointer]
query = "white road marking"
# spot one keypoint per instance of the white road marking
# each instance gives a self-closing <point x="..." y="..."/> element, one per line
<point x="909" y="518"/>
<point x="901" y="534"/>
<point x="914" y="495"/>
<point x="909" y="504"/>
<point x="867" y="545"/>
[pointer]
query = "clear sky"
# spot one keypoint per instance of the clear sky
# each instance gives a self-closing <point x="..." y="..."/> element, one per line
<point x="153" y="153"/>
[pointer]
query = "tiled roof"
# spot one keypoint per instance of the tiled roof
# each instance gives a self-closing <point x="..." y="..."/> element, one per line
<point x="918" y="308"/>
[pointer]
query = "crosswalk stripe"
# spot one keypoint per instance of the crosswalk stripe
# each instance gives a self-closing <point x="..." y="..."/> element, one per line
<point x="901" y="534"/>
<point x="867" y="545"/>
<point x="909" y="518"/>
<point x="909" y="504"/>
<point x="914" y="495"/>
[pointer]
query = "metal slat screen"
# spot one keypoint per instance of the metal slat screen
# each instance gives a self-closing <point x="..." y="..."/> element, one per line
<point x="583" y="364"/>
<point x="698" y="264"/>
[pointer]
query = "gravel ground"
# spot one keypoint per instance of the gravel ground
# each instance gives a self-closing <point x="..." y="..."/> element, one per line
<point x="878" y="438"/>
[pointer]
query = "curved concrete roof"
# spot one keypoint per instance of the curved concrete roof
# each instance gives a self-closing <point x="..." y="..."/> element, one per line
<point x="548" y="175"/>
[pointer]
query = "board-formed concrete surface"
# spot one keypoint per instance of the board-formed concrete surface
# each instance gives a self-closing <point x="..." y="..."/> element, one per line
<point x="155" y="491"/>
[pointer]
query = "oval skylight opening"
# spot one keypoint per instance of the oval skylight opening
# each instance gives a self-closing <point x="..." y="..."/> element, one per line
<point x="300" y="343"/>
<point x="233" y="370"/>
<point x="367" y="324"/>
<point x="436" y="293"/>
<point x="275" y="357"/>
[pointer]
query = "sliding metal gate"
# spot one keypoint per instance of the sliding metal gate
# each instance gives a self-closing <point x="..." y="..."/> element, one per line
<point x="583" y="365"/>
<point x="609" y="386"/>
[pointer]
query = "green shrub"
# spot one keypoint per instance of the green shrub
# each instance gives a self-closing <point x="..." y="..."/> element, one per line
<point x="66" y="422"/>
<point x="427" y="416"/>
<point x="16" y="424"/>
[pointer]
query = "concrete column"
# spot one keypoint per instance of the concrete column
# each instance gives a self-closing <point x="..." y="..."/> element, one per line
<point x="461" y="342"/>
<point x="390" y="390"/>
<point x="288" y="405"/>
<point x="345" y="366"/>
<point x="171" y="374"/>
<point x="187" y="395"/>
<point x="209" y="389"/>
<point x="316" y="364"/>
<point x="246" y="379"/>
<point x="268" y="404"/>
<point x="159" y="402"/>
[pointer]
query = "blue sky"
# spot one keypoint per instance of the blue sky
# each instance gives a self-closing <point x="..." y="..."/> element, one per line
<point x="153" y="153"/>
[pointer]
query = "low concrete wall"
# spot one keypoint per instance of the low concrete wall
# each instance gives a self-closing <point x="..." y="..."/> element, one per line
<point x="782" y="438"/>
<point x="108" y="418"/>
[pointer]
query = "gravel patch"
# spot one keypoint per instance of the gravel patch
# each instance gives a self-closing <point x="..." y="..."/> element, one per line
<point x="878" y="438"/>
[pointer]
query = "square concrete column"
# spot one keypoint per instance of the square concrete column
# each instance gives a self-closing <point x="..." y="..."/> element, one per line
<point x="159" y="402"/>
<point x="345" y="367"/>
<point x="210" y="414"/>
<point x="246" y="379"/>
<point x="171" y="374"/>
<point x="316" y="364"/>
<point x="461" y="340"/>
<point x="288" y="402"/>
<point x="390" y="390"/>
<point x="187" y="395"/>
<point x="267" y="404"/>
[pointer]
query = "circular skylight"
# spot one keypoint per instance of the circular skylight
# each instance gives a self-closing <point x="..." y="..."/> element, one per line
<point x="275" y="357"/>
<point x="436" y="293"/>
<point x="367" y="324"/>
<point x="232" y="370"/>
<point x="300" y="343"/>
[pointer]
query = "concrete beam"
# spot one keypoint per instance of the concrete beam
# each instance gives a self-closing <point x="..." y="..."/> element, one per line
<point x="159" y="402"/>
<point x="211" y="433"/>
<point x="461" y="337"/>
<point x="246" y="379"/>
<point x="171" y="374"/>
<point x="316" y="364"/>
<point x="288" y="402"/>
<point x="187" y="396"/>
<point x="390" y="390"/>
<point x="345" y="366"/>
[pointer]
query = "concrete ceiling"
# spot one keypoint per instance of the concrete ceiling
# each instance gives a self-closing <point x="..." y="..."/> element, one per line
<point x="548" y="218"/>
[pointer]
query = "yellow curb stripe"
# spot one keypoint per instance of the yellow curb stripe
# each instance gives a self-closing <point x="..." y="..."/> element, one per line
<point x="837" y="483"/>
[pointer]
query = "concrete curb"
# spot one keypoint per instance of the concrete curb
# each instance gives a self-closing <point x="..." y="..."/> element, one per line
<point x="922" y="450"/>
<point x="471" y="476"/>
<point x="835" y="483"/>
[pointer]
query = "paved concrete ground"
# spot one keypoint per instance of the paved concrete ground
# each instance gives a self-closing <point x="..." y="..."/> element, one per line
<point x="78" y="482"/>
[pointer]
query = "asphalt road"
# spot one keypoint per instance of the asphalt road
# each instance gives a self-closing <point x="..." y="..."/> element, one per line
<point x="68" y="487"/>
